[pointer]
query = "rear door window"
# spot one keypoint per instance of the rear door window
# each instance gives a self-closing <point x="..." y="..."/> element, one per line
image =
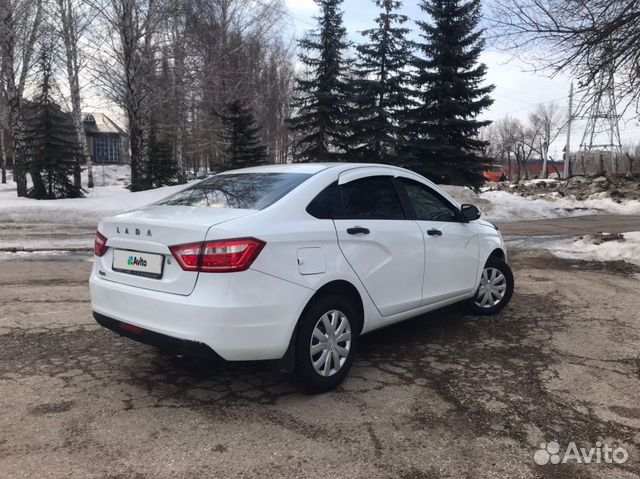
<point x="253" y="191"/>
<point x="373" y="198"/>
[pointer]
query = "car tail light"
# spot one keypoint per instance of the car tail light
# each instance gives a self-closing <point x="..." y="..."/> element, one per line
<point x="188" y="255"/>
<point x="221" y="256"/>
<point x="99" y="245"/>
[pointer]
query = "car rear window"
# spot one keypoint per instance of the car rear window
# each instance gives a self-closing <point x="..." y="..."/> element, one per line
<point x="253" y="191"/>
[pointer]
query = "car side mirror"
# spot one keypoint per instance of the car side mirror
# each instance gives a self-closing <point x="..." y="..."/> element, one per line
<point x="470" y="212"/>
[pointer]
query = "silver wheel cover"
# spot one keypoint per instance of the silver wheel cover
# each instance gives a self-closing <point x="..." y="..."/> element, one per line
<point x="493" y="287"/>
<point x="330" y="343"/>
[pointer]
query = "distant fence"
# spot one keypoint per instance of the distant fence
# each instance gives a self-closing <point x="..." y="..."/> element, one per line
<point x="601" y="163"/>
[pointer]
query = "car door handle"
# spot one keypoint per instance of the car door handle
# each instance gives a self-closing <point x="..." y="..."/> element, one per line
<point x="434" y="232"/>
<point x="358" y="230"/>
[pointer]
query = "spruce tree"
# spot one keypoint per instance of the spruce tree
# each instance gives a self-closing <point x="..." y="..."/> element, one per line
<point x="449" y="79"/>
<point x="162" y="168"/>
<point x="241" y="135"/>
<point x="381" y="88"/>
<point x="51" y="142"/>
<point x="322" y="93"/>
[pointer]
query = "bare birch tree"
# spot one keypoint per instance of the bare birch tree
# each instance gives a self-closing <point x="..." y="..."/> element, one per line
<point x="4" y="122"/>
<point x="19" y="26"/>
<point x="124" y="68"/>
<point x="548" y="124"/>
<point x="72" y="19"/>
<point x="632" y="154"/>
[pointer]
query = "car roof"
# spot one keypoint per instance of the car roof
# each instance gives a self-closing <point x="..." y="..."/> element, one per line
<point x="308" y="168"/>
<point x="336" y="168"/>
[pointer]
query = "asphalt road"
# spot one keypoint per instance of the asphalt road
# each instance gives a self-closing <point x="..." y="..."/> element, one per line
<point x="444" y="395"/>
<point x="576" y="225"/>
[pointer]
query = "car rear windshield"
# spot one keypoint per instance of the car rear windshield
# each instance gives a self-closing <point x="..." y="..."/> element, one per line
<point x="253" y="191"/>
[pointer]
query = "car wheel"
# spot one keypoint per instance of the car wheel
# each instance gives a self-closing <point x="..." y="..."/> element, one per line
<point x="326" y="344"/>
<point x="495" y="290"/>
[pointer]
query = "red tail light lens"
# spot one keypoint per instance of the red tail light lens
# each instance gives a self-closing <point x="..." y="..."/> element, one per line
<point x="218" y="256"/>
<point x="99" y="245"/>
<point x="188" y="255"/>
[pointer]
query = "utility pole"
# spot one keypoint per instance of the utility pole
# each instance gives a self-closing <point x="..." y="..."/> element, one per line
<point x="567" y="149"/>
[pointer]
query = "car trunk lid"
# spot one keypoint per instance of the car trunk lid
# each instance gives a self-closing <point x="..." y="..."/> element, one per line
<point x="148" y="233"/>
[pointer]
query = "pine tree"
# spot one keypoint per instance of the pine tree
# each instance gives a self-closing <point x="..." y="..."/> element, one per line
<point x="241" y="135"/>
<point x="322" y="93"/>
<point x="382" y="93"/>
<point x="445" y="141"/>
<point x="51" y="142"/>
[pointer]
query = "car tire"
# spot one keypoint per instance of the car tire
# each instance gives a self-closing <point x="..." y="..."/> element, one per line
<point x="328" y="329"/>
<point x="495" y="289"/>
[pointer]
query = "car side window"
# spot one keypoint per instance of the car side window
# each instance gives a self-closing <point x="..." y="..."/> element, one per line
<point x="428" y="205"/>
<point x="374" y="197"/>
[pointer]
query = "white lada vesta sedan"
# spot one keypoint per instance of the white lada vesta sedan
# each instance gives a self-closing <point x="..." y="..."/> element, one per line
<point x="293" y="263"/>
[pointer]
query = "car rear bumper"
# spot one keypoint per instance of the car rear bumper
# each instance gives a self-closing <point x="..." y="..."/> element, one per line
<point x="239" y="316"/>
<point x="166" y="343"/>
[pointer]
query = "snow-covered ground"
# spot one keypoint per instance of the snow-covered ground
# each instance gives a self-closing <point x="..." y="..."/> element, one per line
<point x="46" y="226"/>
<point x="592" y="248"/>
<point x="38" y="226"/>
<point x="108" y="197"/>
<point x="100" y="202"/>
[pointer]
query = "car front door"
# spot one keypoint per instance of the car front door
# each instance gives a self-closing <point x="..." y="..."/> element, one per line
<point x="382" y="245"/>
<point x="451" y="243"/>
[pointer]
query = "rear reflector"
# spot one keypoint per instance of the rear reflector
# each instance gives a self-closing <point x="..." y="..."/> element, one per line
<point x="99" y="245"/>
<point x="222" y="256"/>
<point x="131" y="328"/>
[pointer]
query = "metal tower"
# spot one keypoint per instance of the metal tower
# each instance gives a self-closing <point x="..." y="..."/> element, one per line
<point x="601" y="148"/>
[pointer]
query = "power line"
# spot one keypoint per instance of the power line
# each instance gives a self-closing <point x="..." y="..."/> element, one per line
<point x="284" y="12"/>
<point x="530" y="106"/>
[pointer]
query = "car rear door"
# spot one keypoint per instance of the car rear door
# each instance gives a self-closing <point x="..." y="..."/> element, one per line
<point x="451" y="243"/>
<point x="383" y="246"/>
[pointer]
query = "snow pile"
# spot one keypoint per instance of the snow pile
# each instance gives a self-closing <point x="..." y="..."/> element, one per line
<point x="625" y="247"/>
<point x="509" y="207"/>
<point x="464" y="195"/>
<point x="537" y="181"/>
<point x="500" y="205"/>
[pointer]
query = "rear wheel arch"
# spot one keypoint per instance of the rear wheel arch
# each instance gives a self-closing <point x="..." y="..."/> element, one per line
<point x="319" y="364"/>
<point x="343" y="289"/>
<point x="340" y="288"/>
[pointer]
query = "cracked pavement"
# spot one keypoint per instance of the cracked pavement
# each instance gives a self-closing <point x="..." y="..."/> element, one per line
<point x="443" y="395"/>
